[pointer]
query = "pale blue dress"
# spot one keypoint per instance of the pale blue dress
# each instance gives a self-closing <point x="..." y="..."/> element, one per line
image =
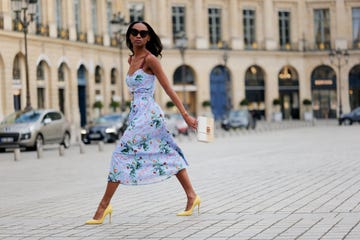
<point x="146" y="152"/>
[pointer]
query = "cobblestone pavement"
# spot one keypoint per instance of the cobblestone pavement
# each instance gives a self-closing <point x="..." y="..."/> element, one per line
<point x="285" y="181"/>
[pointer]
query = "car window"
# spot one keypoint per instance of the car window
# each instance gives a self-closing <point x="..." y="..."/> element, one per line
<point x="26" y="117"/>
<point x="109" y="118"/>
<point x="54" y="116"/>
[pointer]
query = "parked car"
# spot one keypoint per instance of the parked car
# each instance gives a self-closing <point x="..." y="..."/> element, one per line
<point x="349" y="118"/>
<point x="238" y="119"/>
<point x="32" y="129"/>
<point x="176" y="124"/>
<point x="107" y="128"/>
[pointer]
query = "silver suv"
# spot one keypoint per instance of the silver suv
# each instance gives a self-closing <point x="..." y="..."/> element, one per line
<point x="34" y="128"/>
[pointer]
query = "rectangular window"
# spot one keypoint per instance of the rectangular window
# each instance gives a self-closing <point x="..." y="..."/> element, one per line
<point x="41" y="97"/>
<point x="322" y="28"/>
<point x="94" y="16"/>
<point x="178" y="20"/>
<point x="214" y="26"/>
<point x="284" y="30"/>
<point x="249" y="29"/>
<point x="136" y="12"/>
<point x="77" y="16"/>
<point x="356" y="27"/>
<point x="59" y="14"/>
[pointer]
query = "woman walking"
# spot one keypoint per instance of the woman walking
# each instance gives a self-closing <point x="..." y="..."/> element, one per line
<point x="147" y="152"/>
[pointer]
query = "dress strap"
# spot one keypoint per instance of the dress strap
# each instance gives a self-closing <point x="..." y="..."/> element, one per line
<point x="143" y="62"/>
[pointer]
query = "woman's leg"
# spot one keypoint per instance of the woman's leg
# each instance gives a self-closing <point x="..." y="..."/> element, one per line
<point x="109" y="192"/>
<point x="184" y="180"/>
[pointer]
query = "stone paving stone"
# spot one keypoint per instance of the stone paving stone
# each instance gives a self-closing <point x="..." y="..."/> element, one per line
<point x="278" y="183"/>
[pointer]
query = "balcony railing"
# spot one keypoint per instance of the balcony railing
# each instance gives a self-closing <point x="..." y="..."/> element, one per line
<point x="99" y="40"/>
<point x="114" y="42"/>
<point x="17" y="26"/>
<point x="42" y="29"/>
<point x="63" y="33"/>
<point x="81" y="37"/>
<point x="356" y="44"/>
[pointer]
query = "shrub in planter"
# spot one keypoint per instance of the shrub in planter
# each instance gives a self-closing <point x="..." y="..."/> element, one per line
<point x="206" y="103"/>
<point x="114" y="105"/>
<point x="98" y="104"/>
<point x="169" y="104"/>
<point x="244" y="102"/>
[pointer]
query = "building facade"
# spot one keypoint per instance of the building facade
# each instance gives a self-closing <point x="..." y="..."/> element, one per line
<point x="217" y="51"/>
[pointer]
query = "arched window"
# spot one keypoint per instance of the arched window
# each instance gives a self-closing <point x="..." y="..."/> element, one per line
<point x="16" y="68"/>
<point x="113" y="76"/>
<point x="98" y="74"/>
<point x="61" y="73"/>
<point x="40" y="73"/>
<point x="184" y="75"/>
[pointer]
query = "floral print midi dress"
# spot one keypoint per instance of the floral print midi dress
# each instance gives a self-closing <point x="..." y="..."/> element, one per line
<point x="146" y="152"/>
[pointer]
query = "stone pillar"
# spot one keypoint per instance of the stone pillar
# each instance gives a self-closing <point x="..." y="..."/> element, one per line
<point x="164" y="26"/>
<point x="200" y="37"/>
<point x="235" y="37"/>
<point x="71" y="20"/>
<point x="7" y="12"/>
<point x="51" y="17"/>
<point x="340" y="20"/>
<point x="270" y="43"/>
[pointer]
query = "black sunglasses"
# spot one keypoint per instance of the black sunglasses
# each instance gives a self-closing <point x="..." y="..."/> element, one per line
<point x="135" y="32"/>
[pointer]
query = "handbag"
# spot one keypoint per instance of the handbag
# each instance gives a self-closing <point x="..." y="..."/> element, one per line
<point x="205" y="129"/>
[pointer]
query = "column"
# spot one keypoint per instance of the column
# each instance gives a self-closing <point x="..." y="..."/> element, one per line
<point x="200" y="37"/>
<point x="71" y="20"/>
<point x="340" y="21"/>
<point x="164" y="32"/>
<point x="235" y="37"/>
<point x="7" y="12"/>
<point x="270" y="43"/>
<point x="51" y="16"/>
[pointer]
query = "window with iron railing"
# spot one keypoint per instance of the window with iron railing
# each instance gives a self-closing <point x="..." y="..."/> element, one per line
<point x="136" y="11"/>
<point x="178" y="20"/>
<point x="322" y="29"/>
<point x="249" y="24"/>
<point x="214" y="27"/>
<point x="284" y="30"/>
<point x="356" y="27"/>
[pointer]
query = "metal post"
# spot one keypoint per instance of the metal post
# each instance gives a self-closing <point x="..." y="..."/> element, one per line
<point x="28" y="102"/>
<point x="183" y="80"/>
<point x="122" y="104"/>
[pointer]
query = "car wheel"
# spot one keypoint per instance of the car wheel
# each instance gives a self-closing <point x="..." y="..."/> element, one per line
<point x="347" y="121"/>
<point x="66" y="140"/>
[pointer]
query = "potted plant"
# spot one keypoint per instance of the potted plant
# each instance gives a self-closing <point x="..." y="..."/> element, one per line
<point x="206" y="103"/>
<point x="170" y="105"/>
<point x="277" y="114"/>
<point x="244" y="103"/>
<point x="114" y="105"/>
<point x="308" y="114"/>
<point x="98" y="105"/>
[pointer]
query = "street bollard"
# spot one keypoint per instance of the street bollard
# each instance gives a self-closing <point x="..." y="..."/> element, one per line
<point x="82" y="147"/>
<point x="61" y="150"/>
<point x="39" y="151"/>
<point x="16" y="154"/>
<point x="101" y="146"/>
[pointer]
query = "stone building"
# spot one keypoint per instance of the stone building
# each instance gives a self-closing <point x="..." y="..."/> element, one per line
<point x="221" y="51"/>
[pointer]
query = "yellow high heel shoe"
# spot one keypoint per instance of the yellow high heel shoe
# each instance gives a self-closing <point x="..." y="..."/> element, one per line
<point x="107" y="211"/>
<point x="190" y="211"/>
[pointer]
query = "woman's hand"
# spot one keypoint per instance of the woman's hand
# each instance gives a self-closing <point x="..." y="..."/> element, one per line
<point x="190" y="121"/>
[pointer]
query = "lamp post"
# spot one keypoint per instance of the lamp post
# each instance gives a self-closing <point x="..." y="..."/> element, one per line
<point x="24" y="14"/>
<point x="181" y="44"/>
<point x="336" y="57"/>
<point x="118" y="27"/>
<point x="225" y="47"/>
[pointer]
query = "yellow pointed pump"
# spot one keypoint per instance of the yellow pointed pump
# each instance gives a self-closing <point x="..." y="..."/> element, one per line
<point x="107" y="211"/>
<point x="190" y="211"/>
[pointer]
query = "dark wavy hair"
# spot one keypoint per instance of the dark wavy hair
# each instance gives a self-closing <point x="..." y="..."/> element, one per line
<point x="153" y="45"/>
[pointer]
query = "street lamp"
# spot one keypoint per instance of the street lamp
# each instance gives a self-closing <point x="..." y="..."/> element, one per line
<point x="118" y="27"/>
<point x="22" y="6"/>
<point x="339" y="55"/>
<point x="224" y="46"/>
<point x="181" y="44"/>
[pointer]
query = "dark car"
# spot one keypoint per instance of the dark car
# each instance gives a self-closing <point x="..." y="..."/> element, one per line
<point x="349" y="118"/>
<point x="107" y="128"/>
<point x="238" y="119"/>
<point x="32" y="129"/>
